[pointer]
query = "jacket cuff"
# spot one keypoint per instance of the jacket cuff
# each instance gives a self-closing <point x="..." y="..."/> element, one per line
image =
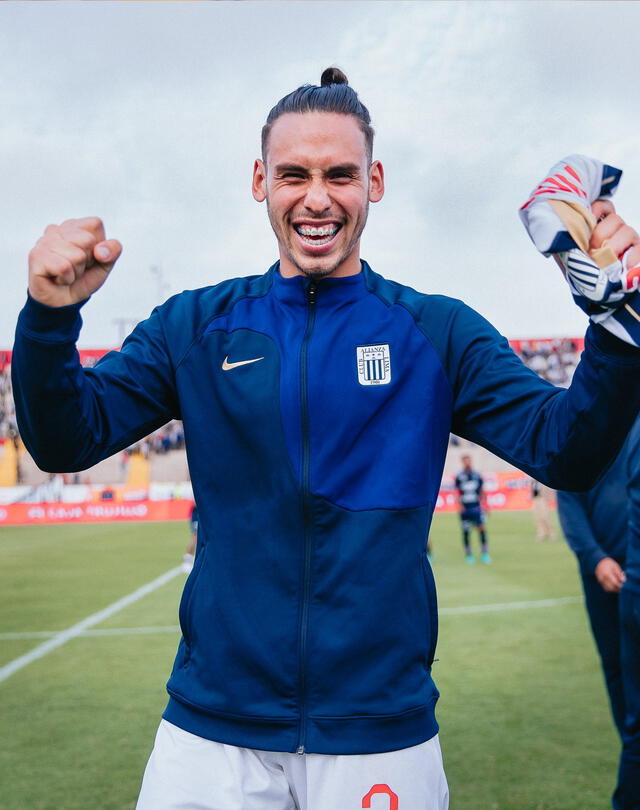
<point x="50" y="324"/>
<point x="607" y="344"/>
<point x="589" y="562"/>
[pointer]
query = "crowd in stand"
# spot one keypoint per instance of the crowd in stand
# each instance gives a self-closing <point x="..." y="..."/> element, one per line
<point x="8" y="427"/>
<point x="555" y="360"/>
<point x="168" y="437"/>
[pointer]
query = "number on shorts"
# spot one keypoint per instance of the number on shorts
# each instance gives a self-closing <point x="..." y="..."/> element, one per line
<point x="384" y="789"/>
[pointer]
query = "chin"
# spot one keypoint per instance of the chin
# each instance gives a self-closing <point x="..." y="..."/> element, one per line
<point x="317" y="269"/>
<point x="317" y="273"/>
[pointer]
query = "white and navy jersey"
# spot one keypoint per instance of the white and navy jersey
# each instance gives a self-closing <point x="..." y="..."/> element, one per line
<point x="469" y="486"/>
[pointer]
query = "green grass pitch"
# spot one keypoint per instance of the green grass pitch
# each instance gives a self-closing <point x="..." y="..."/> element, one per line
<point x="524" y="717"/>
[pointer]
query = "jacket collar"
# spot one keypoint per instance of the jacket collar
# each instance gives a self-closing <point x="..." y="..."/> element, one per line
<point x="331" y="292"/>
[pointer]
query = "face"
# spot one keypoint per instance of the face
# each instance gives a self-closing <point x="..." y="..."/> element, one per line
<point x="466" y="461"/>
<point x="318" y="184"/>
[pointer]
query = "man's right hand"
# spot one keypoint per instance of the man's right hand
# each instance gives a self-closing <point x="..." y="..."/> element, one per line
<point x="71" y="261"/>
<point x="611" y="230"/>
<point x="610" y="576"/>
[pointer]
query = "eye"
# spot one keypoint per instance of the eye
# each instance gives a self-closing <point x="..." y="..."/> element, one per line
<point x="292" y="176"/>
<point x="341" y="177"/>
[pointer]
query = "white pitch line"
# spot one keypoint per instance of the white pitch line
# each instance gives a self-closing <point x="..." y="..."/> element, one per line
<point x="499" y="606"/>
<point x="108" y="631"/>
<point x="72" y="632"/>
<point x="174" y="628"/>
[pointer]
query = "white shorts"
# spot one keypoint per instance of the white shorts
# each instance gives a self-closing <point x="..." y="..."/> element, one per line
<point x="186" y="772"/>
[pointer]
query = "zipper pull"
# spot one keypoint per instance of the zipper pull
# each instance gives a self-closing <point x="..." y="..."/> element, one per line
<point x="311" y="293"/>
<point x="300" y="750"/>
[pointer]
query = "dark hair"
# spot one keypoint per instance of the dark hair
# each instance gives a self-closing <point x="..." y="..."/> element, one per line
<point x="334" y="95"/>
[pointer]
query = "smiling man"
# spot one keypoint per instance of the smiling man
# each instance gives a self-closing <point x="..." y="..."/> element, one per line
<point x="318" y="181"/>
<point x="317" y="401"/>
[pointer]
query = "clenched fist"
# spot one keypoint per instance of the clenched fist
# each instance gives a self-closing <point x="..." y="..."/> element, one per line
<point x="71" y="261"/>
<point x="612" y="231"/>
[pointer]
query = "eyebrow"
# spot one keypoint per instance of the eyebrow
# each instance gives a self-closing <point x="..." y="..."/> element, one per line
<point x="347" y="168"/>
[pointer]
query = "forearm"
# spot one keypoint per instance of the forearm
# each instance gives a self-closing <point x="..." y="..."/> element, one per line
<point x="562" y="438"/>
<point x="71" y="418"/>
<point x="586" y="427"/>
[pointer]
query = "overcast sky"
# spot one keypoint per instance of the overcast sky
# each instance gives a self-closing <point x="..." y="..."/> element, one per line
<point x="148" y="114"/>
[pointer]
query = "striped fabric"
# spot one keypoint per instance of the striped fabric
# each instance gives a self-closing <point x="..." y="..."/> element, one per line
<point x="559" y="221"/>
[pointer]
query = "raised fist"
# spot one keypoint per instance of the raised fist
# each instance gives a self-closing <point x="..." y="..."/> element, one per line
<point x="613" y="232"/>
<point x="71" y="261"/>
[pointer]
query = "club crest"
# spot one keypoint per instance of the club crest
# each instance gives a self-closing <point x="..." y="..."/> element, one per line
<point x="374" y="364"/>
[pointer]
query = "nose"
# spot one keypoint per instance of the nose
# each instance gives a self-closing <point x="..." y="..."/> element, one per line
<point x="317" y="198"/>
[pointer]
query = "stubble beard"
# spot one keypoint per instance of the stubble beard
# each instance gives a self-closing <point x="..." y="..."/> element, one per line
<point x="318" y="273"/>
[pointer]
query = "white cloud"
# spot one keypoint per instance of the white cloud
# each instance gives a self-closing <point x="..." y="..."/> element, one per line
<point x="149" y="115"/>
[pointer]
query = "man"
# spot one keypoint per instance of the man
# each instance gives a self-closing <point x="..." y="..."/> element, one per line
<point x="317" y="401"/>
<point x="601" y="526"/>
<point x="470" y="496"/>
<point x="190" y="551"/>
<point x="541" y="511"/>
<point x="627" y="793"/>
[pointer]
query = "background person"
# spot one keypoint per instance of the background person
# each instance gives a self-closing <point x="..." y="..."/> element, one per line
<point x="627" y="793"/>
<point x="190" y="551"/>
<point x="469" y="484"/>
<point x="598" y="525"/>
<point x="541" y="511"/>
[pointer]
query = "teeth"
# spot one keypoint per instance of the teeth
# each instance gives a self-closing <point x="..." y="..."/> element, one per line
<point x="325" y="230"/>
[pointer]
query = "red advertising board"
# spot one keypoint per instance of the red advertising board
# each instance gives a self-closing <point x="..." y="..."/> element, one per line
<point x="88" y="357"/>
<point x="16" y="514"/>
<point x="503" y="491"/>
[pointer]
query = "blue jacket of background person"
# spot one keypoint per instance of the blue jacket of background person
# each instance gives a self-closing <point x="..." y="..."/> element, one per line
<point x="632" y="567"/>
<point x="605" y="521"/>
<point x="595" y="523"/>
<point x="316" y="422"/>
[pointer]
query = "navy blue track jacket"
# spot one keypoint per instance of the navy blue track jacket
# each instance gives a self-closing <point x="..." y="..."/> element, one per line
<point x="316" y="421"/>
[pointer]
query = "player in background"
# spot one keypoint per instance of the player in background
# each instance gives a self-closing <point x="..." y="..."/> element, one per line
<point x="190" y="551"/>
<point x="541" y="511"/>
<point x="317" y="399"/>
<point x="602" y="528"/>
<point x="471" y="499"/>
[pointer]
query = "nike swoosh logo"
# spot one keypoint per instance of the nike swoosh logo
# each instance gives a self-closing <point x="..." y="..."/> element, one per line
<point x="226" y="365"/>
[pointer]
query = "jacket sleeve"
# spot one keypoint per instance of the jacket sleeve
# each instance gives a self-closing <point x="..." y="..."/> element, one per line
<point x="573" y="514"/>
<point x="632" y="567"/>
<point x="69" y="417"/>
<point x="564" y="438"/>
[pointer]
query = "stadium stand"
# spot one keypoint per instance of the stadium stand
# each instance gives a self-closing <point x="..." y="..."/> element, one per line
<point x="555" y="360"/>
<point x="160" y="457"/>
<point x="8" y="427"/>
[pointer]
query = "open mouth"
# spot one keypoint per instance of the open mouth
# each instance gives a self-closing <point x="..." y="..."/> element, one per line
<point x="317" y="235"/>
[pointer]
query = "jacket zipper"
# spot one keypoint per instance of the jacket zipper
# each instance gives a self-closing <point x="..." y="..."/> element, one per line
<point x="306" y="511"/>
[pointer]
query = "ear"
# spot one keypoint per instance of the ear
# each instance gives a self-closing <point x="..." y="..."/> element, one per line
<point x="259" y="181"/>
<point x="376" y="182"/>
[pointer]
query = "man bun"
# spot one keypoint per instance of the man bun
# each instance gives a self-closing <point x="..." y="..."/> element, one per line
<point x="332" y="75"/>
<point x="333" y="96"/>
